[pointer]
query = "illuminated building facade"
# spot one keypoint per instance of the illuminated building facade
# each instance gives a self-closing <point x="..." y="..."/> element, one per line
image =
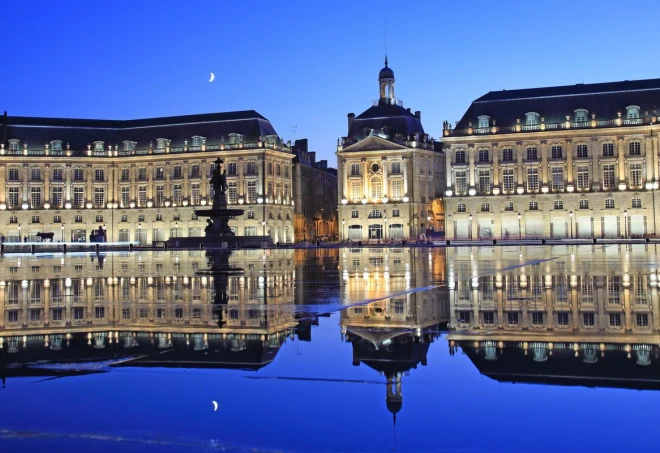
<point x="390" y="172"/>
<point x="556" y="162"/>
<point x="141" y="180"/>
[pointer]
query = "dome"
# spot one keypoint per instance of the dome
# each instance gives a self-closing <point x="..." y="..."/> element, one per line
<point x="386" y="73"/>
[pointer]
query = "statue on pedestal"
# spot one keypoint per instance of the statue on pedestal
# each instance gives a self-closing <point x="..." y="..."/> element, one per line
<point x="219" y="182"/>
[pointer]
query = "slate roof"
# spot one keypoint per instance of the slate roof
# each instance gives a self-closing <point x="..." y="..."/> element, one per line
<point x="36" y="132"/>
<point x="554" y="103"/>
<point x="398" y="119"/>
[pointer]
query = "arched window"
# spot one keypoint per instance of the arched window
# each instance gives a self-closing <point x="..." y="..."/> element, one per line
<point x="197" y="140"/>
<point x="581" y="115"/>
<point x="129" y="145"/>
<point x="485" y="207"/>
<point x="632" y="112"/>
<point x="376" y="189"/>
<point x="375" y="214"/>
<point x="483" y="121"/>
<point x="161" y="143"/>
<point x="56" y="146"/>
<point x="508" y="206"/>
<point x="531" y="119"/>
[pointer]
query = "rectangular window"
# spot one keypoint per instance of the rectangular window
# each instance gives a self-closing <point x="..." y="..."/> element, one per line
<point x="532" y="153"/>
<point x="508" y="181"/>
<point x="537" y="319"/>
<point x="608" y="177"/>
<point x="588" y="319"/>
<point x="483" y="155"/>
<point x="356" y="191"/>
<point x="142" y="196"/>
<point x="194" y="171"/>
<point x="532" y="179"/>
<point x="269" y="168"/>
<point x="507" y="155"/>
<point x="177" y="194"/>
<point x="251" y="191"/>
<point x="460" y="181"/>
<point x="78" y="197"/>
<point x="635" y="176"/>
<point x="78" y="174"/>
<point x="355" y="169"/>
<point x="608" y="149"/>
<point x="512" y="318"/>
<point x="557" y="179"/>
<point x="642" y="320"/>
<point x="58" y="174"/>
<point x="194" y="194"/>
<point x="160" y="195"/>
<point x="35" y="197"/>
<point x="278" y="170"/>
<point x="125" y="174"/>
<point x="396" y="168"/>
<point x="13" y="174"/>
<point x="460" y="157"/>
<point x="634" y="149"/>
<point x="35" y="174"/>
<point x="489" y="318"/>
<point x="559" y="204"/>
<point x="99" y="175"/>
<point x="125" y="196"/>
<point x="584" y="204"/>
<point x="78" y="313"/>
<point x="99" y="312"/>
<point x="557" y="152"/>
<point x="354" y="214"/>
<point x="142" y="174"/>
<point x="99" y="197"/>
<point x="582" y="151"/>
<point x="159" y="173"/>
<point x="232" y="169"/>
<point x="583" y="182"/>
<point x="484" y="182"/>
<point x="562" y="319"/>
<point x="232" y="192"/>
<point x="251" y="168"/>
<point x="615" y="319"/>
<point x="397" y="190"/>
<point x="56" y="196"/>
<point x="12" y="197"/>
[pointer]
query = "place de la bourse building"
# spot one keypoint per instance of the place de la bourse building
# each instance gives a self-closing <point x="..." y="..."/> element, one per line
<point x="555" y="162"/>
<point x="389" y="171"/>
<point x="141" y="180"/>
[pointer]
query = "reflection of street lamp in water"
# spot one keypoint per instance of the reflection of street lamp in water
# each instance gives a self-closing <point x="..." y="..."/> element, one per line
<point x="62" y="228"/>
<point x="176" y="229"/>
<point x="519" y="228"/>
<point x="470" y="227"/>
<point x="625" y="222"/>
<point x="570" y="214"/>
<point x="20" y="238"/>
<point x="138" y="231"/>
<point x="343" y="229"/>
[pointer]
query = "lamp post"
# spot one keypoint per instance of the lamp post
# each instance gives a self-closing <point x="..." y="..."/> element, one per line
<point x="570" y="214"/>
<point x="519" y="228"/>
<point x="625" y="223"/>
<point x="470" y="227"/>
<point x="343" y="229"/>
<point x="385" y="232"/>
<point x="62" y="228"/>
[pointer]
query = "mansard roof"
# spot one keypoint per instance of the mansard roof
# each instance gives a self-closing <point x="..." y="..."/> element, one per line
<point x="553" y="104"/>
<point x="391" y="116"/>
<point x="79" y="133"/>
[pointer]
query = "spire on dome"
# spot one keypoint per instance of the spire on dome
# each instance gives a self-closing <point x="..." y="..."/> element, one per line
<point x="385" y="60"/>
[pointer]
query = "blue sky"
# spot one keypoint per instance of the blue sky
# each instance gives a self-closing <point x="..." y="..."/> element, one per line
<point x="308" y="64"/>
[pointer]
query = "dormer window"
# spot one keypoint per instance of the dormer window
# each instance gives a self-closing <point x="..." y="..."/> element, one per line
<point x="98" y="147"/>
<point x="531" y="119"/>
<point x="386" y="131"/>
<point x="581" y="115"/>
<point x="56" y="146"/>
<point x="14" y="145"/>
<point x="161" y="143"/>
<point x="129" y="145"/>
<point x="367" y="132"/>
<point x="483" y="121"/>
<point x="197" y="140"/>
<point x="235" y="139"/>
<point x="632" y="112"/>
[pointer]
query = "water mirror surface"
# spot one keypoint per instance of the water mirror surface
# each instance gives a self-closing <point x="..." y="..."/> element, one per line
<point x="473" y="349"/>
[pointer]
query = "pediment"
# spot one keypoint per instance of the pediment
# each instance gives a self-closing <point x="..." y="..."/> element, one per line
<point x="373" y="143"/>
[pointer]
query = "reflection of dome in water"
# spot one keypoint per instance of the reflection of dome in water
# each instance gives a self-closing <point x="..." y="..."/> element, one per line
<point x="394" y="406"/>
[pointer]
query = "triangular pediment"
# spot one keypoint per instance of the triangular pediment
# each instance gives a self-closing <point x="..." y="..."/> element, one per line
<point x="373" y="143"/>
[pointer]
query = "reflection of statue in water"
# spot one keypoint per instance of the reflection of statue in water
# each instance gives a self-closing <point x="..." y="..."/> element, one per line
<point x="219" y="182"/>
<point x="209" y="226"/>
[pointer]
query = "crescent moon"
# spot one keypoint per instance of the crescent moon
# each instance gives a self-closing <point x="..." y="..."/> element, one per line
<point x="212" y="77"/>
<point x="215" y="406"/>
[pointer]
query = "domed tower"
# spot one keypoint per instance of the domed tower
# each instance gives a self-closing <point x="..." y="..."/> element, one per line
<point x="394" y="399"/>
<point x="386" y="84"/>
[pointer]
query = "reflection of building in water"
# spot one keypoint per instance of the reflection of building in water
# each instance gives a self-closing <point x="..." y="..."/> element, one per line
<point x="570" y="315"/>
<point x="392" y="334"/>
<point x="141" y="302"/>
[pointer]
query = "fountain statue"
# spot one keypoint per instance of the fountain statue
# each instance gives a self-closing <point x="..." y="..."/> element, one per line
<point x="218" y="233"/>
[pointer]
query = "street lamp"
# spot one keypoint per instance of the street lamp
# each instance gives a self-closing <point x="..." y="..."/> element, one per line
<point x="519" y="228"/>
<point x="470" y="227"/>
<point x="570" y="214"/>
<point x="385" y="232"/>
<point x="343" y="229"/>
<point x="625" y="223"/>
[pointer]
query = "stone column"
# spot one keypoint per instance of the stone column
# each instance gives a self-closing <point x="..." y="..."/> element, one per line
<point x="544" y="163"/>
<point x="150" y="182"/>
<point x="89" y="188"/>
<point x="404" y="164"/>
<point x="383" y="164"/>
<point x="520" y="179"/>
<point x="241" y="175"/>
<point x="496" y="167"/>
<point x="168" y="181"/>
<point x="365" y="180"/>
<point x="26" y="175"/>
<point x="46" y="176"/>
<point x="650" y="161"/>
<point x="621" y="159"/>
<point x="448" y="166"/>
<point x="471" y="166"/>
<point x="568" y="145"/>
<point x="185" y="190"/>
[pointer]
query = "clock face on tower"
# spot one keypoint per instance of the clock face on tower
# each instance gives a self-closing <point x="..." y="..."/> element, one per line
<point x="375" y="167"/>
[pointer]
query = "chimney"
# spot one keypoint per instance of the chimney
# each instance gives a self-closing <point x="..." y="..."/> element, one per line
<point x="418" y="115"/>
<point x="312" y="158"/>
<point x="408" y="109"/>
<point x="4" y="128"/>
<point x="351" y="117"/>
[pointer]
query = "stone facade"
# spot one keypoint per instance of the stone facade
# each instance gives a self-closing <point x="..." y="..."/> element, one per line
<point x="389" y="173"/>
<point x="315" y="196"/>
<point x="565" y="172"/>
<point x="146" y="189"/>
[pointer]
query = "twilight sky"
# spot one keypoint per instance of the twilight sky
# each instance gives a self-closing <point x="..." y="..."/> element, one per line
<point x="309" y="63"/>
